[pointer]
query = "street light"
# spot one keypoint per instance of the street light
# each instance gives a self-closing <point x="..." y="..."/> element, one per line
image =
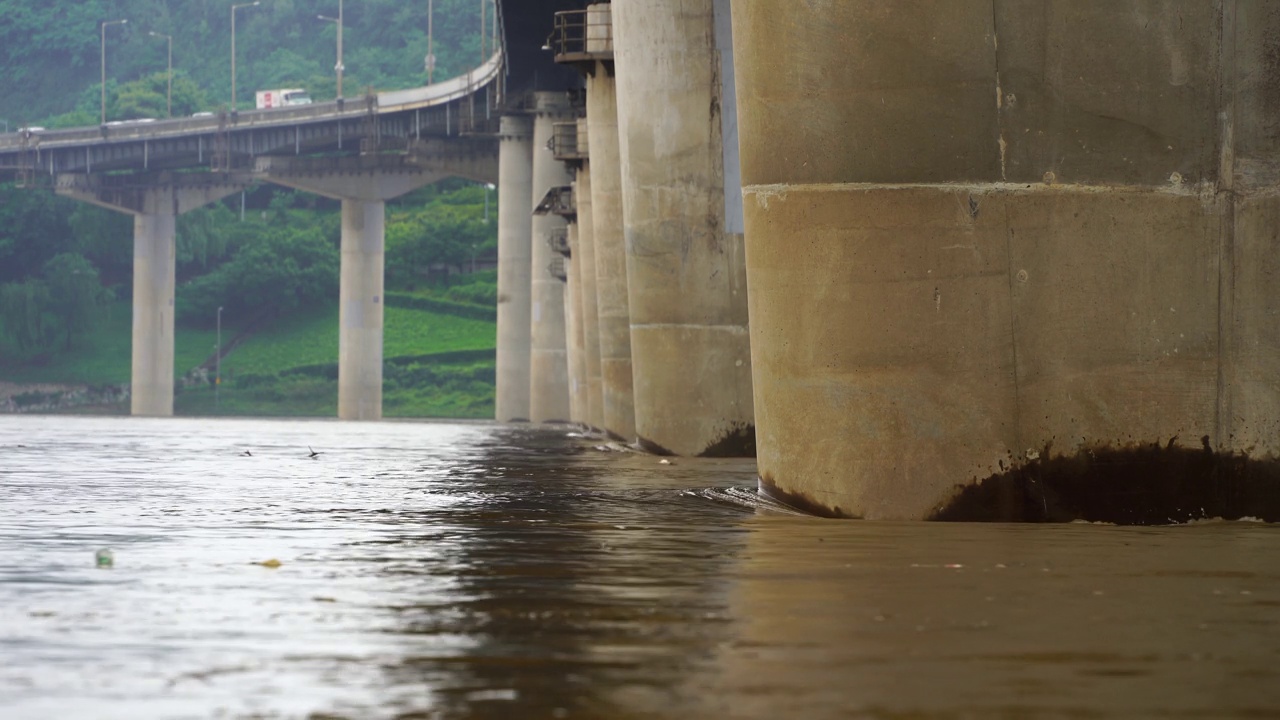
<point x="339" y="67"/>
<point x="217" y="362"/>
<point x="104" y="64"/>
<point x="487" y="188"/>
<point x="430" y="60"/>
<point x="234" y="8"/>
<point x="168" y="97"/>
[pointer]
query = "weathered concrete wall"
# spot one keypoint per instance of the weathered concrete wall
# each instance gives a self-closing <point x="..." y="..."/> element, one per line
<point x="360" y="312"/>
<point x="980" y="234"/>
<point x="686" y="274"/>
<point x="515" y="233"/>
<point x="611" y="260"/>
<point x="573" y="320"/>
<point x="151" y="377"/>
<point x="549" y="360"/>
<point x="585" y="261"/>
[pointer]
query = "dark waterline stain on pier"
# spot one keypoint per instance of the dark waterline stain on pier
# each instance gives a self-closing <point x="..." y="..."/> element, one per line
<point x="1142" y="484"/>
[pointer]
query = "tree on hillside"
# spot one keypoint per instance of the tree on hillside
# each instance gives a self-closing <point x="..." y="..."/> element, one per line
<point x="75" y="294"/>
<point x="284" y="269"/>
<point x="24" y="314"/>
<point x="147" y="97"/>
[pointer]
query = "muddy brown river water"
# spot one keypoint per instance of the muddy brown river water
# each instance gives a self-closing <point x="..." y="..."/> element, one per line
<point x="437" y="570"/>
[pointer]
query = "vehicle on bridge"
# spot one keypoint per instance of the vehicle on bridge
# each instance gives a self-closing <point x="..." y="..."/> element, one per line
<point x="282" y="98"/>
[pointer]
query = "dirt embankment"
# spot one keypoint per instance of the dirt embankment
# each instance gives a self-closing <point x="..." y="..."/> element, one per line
<point x="49" y="397"/>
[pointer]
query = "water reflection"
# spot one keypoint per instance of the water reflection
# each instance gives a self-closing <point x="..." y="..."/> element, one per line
<point x="475" y="571"/>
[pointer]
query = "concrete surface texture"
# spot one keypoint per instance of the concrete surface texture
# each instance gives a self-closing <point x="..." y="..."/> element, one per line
<point x="686" y="274"/>
<point x="573" y="320"/>
<point x="549" y="360"/>
<point x="154" y="266"/>
<point x="515" y="238"/>
<point x="611" y="260"/>
<point x="360" y="313"/>
<point x="979" y="234"/>
<point x="585" y="262"/>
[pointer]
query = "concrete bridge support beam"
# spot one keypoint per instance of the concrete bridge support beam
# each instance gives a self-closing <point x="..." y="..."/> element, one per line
<point x="515" y="234"/>
<point x="549" y="362"/>
<point x="360" y="310"/>
<point x="154" y="266"/>
<point x="573" y="321"/>
<point x="991" y="242"/>
<point x="584" y="255"/>
<point x="155" y="201"/>
<point x="686" y="272"/>
<point x="611" y="259"/>
<point x="363" y="184"/>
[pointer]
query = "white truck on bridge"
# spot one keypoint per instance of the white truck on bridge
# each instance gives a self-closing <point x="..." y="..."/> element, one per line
<point x="282" y="98"/>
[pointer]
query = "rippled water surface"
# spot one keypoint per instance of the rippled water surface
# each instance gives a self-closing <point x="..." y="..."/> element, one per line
<point x="432" y="570"/>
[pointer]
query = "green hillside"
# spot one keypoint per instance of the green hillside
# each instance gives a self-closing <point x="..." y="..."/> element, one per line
<point x="51" y="52"/>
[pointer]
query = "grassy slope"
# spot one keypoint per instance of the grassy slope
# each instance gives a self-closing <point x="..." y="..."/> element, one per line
<point x="102" y="356"/>
<point x="311" y="338"/>
<point x="307" y="338"/>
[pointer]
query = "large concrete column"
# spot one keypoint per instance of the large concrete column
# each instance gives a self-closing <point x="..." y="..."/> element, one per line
<point x="549" y="361"/>
<point x="1006" y="242"/>
<point x="515" y="227"/>
<point x="585" y="256"/>
<point x="155" y="200"/>
<point x="363" y="184"/>
<point x="573" y="320"/>
<point x="611" y="258"/>
<point x="360" y="313"/>
<point x="686" y="272"/>
<point x="154" y="263"/>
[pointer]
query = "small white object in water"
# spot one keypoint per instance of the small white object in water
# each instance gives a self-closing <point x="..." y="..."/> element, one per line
<point x="664" y="461"/>
<point x="104" y="558"/>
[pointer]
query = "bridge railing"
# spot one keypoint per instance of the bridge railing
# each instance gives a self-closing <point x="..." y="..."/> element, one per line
<point x="579" y="35"/>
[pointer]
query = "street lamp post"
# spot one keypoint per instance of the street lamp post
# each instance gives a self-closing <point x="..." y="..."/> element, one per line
<point x="217" y="362"/>
<point x="104" y="64"/>
<point x="168" y="96"/>
<point x="234" y="8"/>
<point x="430" y="60"/>
<point x="487" y="188"/>
<point x="339" y="67"/>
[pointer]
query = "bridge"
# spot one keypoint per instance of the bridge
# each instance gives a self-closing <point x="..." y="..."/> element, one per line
<point x="1004" y="260"/>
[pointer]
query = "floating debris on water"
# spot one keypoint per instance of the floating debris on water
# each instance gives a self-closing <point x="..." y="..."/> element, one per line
<point x="272" y="563"/>
<point x="104" y="558"/>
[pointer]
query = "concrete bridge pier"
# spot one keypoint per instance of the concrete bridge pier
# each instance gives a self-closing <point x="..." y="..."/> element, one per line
<point x="612" y="305"/>
<point x="1011" y="248"/>
<point x="363" y="184"/>
<point x="686" y="272"/>
<point x="573" y="322"/>
<point x="548" y="362"/>
<point x="155" y="201"/>
<point x="584" y="254"/>
<point x="515" y="245"/>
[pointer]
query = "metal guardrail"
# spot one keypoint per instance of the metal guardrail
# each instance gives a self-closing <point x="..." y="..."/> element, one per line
<point x="579" y="35"/>
<point x="471" y="82"/>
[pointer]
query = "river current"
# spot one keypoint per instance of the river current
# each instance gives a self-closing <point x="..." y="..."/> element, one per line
<point x="447" y="570"/>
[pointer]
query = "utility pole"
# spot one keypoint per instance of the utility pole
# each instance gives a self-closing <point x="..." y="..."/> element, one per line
<point x="104" y="65"/>
<point x="168" y="101"/>
<point x="430" y="60"/>
<point x="234" y="8"/>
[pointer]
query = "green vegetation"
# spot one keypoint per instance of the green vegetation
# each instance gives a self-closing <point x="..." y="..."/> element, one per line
<point x="275" y="277"/>
<point x="51" y="52"/>
<point x="265" y="264"/>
